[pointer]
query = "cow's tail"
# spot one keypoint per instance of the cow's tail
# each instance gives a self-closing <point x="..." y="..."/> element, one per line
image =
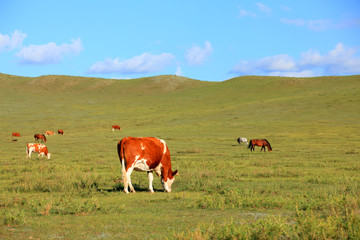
<point x="121" y="153"/>
<point x="119" y="149"/>
<point x="27" y="151"/>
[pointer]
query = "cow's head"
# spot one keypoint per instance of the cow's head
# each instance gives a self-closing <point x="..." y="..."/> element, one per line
<point x="169" y="181"/>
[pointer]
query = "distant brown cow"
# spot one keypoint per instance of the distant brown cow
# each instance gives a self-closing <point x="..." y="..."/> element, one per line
<point x="115" y="127"/>
<point x="60" y="132"/>
<point x="49" y="133"/>
<point x="15" y="134"/>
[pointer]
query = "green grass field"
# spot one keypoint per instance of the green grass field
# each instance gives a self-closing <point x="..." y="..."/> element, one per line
<point x="308" y="187"/>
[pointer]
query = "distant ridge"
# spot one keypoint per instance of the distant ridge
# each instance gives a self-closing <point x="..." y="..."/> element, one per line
<point x="150" y="85"/>
<point x="64" y="82"/>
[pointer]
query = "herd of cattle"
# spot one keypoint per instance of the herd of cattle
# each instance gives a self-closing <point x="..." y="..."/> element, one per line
<point x="144" y="154"/>
<point x="38" y="147"/>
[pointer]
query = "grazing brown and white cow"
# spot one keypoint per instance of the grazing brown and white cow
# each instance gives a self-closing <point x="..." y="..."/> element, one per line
<point x="15" y="134"/>
<point x="37" y="147"/>
<point x="115" y="127"/>
<point x="60" y="132"/>
<point x="40" y="136"/>
<point x="49" y="133"/>
<point x="145" y="154"/>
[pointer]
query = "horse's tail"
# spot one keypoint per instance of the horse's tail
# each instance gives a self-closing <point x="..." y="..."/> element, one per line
<point x="269" y="145"/>
<point x="250" y="144"/>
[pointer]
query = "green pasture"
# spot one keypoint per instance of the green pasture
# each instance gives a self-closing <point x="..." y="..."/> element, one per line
<point x="308" y="187"/>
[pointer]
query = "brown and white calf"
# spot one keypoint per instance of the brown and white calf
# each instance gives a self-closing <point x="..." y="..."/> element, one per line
<point x="37" y="147"/>
<point x="115" y="127"/>
<point x="49" y="133"/>
<point x="147" y="154"/>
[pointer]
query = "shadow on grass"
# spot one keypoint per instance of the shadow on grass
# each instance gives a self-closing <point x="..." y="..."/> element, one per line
<point x="120" y="188"/>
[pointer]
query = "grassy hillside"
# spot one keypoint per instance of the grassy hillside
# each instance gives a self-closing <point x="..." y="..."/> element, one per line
<point x="308" y="184"/>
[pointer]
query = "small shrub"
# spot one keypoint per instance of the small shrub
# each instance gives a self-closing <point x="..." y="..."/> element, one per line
<point x="14" y="217"/>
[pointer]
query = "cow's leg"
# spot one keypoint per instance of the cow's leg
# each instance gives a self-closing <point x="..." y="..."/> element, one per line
<point x="151" y="178"/>
<point x="27" y="153"/>
<point x="125" y="178"/>
<point x="128" y="175"/>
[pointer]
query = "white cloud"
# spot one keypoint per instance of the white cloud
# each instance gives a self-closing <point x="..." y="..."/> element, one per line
<point x="319" y="25"/>
<point x="197" y="55"/>
<point x="304" y="73"/>
<point x="244" y="13"/>
<point x="314" y="25"/>
<point x="145" y="63"/>
<point x="11" y="42"/>
<point x="275" y="63"/>
<point x="48" y="53"/>
<point x="296" y="22"/>
<point x="348" y="23"/>
<point x="178" y="71"/>
<point x="340" y="60"/>
<point x="263" y="8"/>
<point x="285" y="8"/>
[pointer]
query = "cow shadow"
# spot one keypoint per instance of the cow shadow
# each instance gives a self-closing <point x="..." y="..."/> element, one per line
<point x="120" y="188"/>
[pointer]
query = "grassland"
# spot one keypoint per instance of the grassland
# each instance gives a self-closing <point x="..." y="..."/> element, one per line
<point x="308" y="187"/>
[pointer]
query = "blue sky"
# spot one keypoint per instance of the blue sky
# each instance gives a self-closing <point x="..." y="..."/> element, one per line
<point x="205" y="40"/>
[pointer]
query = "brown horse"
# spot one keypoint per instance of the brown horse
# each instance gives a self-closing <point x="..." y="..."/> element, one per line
<point x="260" y="143"/>
<point x="40" y="136"/>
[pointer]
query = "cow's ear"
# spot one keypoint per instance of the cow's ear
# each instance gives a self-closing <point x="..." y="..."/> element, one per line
<point x="175" y="173"/>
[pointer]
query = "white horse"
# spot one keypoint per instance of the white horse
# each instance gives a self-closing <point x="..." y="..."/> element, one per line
<point x="242" y="140"/>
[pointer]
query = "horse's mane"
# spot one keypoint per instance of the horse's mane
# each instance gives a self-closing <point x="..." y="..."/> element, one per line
<point x="269" y="144"/>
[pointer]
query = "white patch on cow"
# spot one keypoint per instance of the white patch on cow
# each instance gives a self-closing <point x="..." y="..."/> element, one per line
<point x="140" y="164"/>
<point x="158" y="169"/>
<point x="142" y="146"/>
<point x="164" y="143"/>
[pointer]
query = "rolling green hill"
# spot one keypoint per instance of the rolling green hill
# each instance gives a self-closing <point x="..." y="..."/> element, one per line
<point x="310" y="179"/>
<point x="251" y="106"/>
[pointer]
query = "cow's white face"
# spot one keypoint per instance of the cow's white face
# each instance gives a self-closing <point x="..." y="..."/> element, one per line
<point x="167" y="184"/>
